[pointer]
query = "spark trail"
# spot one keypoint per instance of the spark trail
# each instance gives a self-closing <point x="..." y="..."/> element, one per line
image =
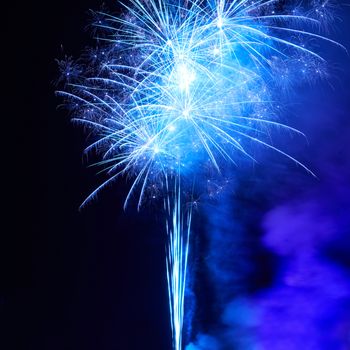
<point x="178" y="229"/>
<point x="176" y="87"/>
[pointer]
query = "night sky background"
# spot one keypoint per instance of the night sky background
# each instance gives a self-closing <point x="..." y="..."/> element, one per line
<point x="270" y="253"/>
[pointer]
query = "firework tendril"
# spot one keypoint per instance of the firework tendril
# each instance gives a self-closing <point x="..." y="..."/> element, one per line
<point x="176" y="87"/>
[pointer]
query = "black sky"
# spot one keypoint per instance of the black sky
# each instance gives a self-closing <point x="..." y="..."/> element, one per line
<point x="70" y="279"/>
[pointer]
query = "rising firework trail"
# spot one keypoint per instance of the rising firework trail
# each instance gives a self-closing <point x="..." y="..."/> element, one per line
<point x="178" y="231"/>
<point x="178" y="87"/>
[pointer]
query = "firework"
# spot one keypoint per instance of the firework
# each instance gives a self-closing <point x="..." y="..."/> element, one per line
<point x="176" y="87"/>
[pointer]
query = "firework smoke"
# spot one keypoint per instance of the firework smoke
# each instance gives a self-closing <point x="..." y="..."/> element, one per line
<point x="175" y="91"/>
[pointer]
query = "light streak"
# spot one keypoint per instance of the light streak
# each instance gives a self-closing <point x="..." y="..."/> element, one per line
<point x="178" y="227"/>
<point x="179" y="85"/>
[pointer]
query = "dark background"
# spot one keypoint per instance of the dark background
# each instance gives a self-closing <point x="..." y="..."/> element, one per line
<point x="69" y="279"/>
<point x="91" y="279"/>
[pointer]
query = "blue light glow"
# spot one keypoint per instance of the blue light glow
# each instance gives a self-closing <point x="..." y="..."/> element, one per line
<point x="178" y="86"/>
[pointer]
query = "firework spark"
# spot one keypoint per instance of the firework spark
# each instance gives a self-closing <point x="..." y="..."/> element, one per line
<point x="178" y="232"/>
<point x="176" y="86"/>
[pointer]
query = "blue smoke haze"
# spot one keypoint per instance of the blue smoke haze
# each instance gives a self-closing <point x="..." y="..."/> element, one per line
<point x="277" y="249"/>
